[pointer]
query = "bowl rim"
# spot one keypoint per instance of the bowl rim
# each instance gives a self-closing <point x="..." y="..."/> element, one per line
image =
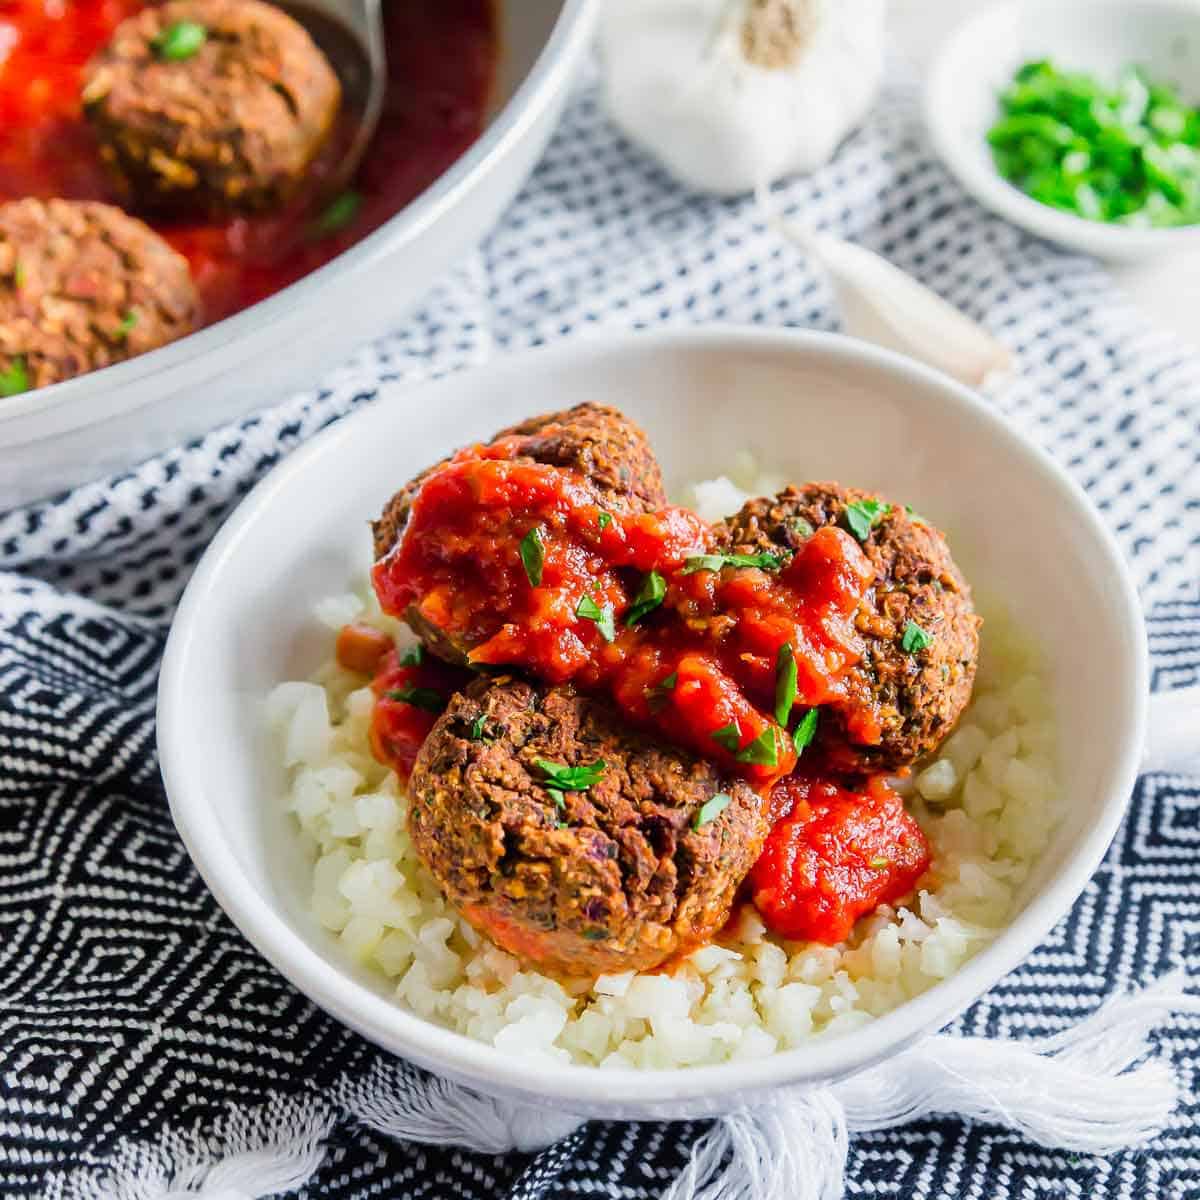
<point x="983" y="181"/>
<point x="387" y="1024"/>
<point x="534" y="93"/>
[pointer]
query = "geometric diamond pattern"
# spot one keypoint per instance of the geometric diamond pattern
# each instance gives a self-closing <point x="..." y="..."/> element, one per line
<point x="130" y="1004"/>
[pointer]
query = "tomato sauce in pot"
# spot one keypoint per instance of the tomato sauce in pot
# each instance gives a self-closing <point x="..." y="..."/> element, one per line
<point x="441" y="61"/>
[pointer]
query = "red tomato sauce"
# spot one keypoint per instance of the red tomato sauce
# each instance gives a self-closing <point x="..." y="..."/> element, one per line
<point x="833" y="856"/>
<point x="441" y="59"/>
<point x="399" y="726"/>
<point x="701" y="668"/>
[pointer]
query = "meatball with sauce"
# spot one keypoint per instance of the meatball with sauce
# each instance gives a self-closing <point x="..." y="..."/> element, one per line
<point x="82" y="286"/>
<point x="597" y="443"/>
<point x="571" y="840"/>
<point x="917" y="622"/>
<point x="210" y="105"/>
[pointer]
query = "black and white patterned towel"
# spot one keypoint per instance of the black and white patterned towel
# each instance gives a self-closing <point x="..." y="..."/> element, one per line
<point x="136" y="1022"/>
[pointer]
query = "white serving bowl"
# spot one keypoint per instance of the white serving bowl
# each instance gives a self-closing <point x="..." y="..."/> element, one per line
<point x="1098" y="36"/>
<point x="811" y="405"/>
<point x="62" y="435"/>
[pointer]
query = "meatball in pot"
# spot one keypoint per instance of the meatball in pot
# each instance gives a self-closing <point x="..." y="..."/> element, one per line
<point x="571" y="840"/>
<point x="917" y="622"/>
<point x="82" y="286"/>
<point x="210" y="105"/>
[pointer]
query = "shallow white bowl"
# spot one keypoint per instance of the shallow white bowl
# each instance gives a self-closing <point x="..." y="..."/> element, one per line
<point x="1097" y="36"/>
<point x="814" y="406"/>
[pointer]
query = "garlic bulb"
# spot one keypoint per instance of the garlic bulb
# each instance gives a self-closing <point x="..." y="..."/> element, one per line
<point x="732" y="93"/>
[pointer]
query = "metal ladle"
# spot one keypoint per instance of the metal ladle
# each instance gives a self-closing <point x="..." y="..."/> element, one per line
<point x="350" y="33"/>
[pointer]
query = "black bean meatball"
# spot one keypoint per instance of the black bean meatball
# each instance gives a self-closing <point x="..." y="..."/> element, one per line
<point x="641" y="864"/>
<point x="212" y="105"/>
<point x="598" y="443"/>
<point x="83" y="285"/>
<point x="919" y="692"/>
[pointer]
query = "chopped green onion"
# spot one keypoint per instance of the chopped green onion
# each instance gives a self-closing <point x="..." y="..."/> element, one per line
<point x="533" y="556"/>
<point x="19" y="274"/>
<point x="413" y="655"/>
<point x="128" y="323"/>
<point x="603" y="617"/>
<point x="711" y="809"/>
<point x="786" y="677"/>
<point x="801" y="528"/>
<point x="914" y="638"/>
<point x="15" y="380"/>
<point x="1125" y="154"/>
<point x="656" y="697"/>
<point x="561" y="778"/>
<point x="805" y="732"/>
<point x="728" y="737"/>
<point x="762" y="752"/>
<point x="650" y="596"/>
<point x="605" y="520"/>
<point x="419" y="697"/>
<point x="180" y="41"/>
<point x="863" y="515"/>
<point x="340" y="212"/>
<point x="714" y="562"/>
<point x="879" y="862"/>
<point x="477" y="726"/>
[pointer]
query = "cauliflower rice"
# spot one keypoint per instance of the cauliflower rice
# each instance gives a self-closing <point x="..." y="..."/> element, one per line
<point x="988" y="803"/>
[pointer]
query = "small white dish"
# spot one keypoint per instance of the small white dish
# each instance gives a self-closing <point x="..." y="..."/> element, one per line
<point x="809" y="405"/>
<point x="1098" y="36"/>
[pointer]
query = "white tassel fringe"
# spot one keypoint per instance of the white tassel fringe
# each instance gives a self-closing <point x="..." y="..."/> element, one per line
<point x="1090" y="1089"/>
<point x="395" y="1100"/>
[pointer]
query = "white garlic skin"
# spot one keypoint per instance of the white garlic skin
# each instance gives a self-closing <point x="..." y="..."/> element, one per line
<point x="678" y="84"/>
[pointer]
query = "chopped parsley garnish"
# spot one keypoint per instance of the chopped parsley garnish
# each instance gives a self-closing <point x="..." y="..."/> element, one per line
<point x="561" y="778"/>
<point x="714" y="562"/>
<point x="804" y="733"/>
<point x="180" y="40"/>
<point x="413" y="656"/>
<point x="533" y="556"/>
<point x="711" y="809"/>
<point x="656" y="697"/>
<point x="863" y="515"/>
<point x="915" y="516"/>
<point x="15" y="380"/>
<point x="728" y="737"/>
<point x="128" y="323"/>
<point x="650" y="596"/>
<point x="914" y="638"/>
<point x="785" y="683"/>
<point x="339" y="213"/>
<point x="762" y="752"/>
<point x="605" y="520"/>
<point x="477" y="730"/>
<point x="591" y="611"/>
<point x="419" y="697"/>
<point x="879" y="862"/>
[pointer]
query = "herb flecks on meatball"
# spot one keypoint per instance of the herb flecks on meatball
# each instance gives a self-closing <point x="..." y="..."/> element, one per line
<point x="571" y="840"/>
<point x="597" y="443"/>
<point x="210" y="105"/>
<point x="82" y="286"/>
<point x="917" y="621"/>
